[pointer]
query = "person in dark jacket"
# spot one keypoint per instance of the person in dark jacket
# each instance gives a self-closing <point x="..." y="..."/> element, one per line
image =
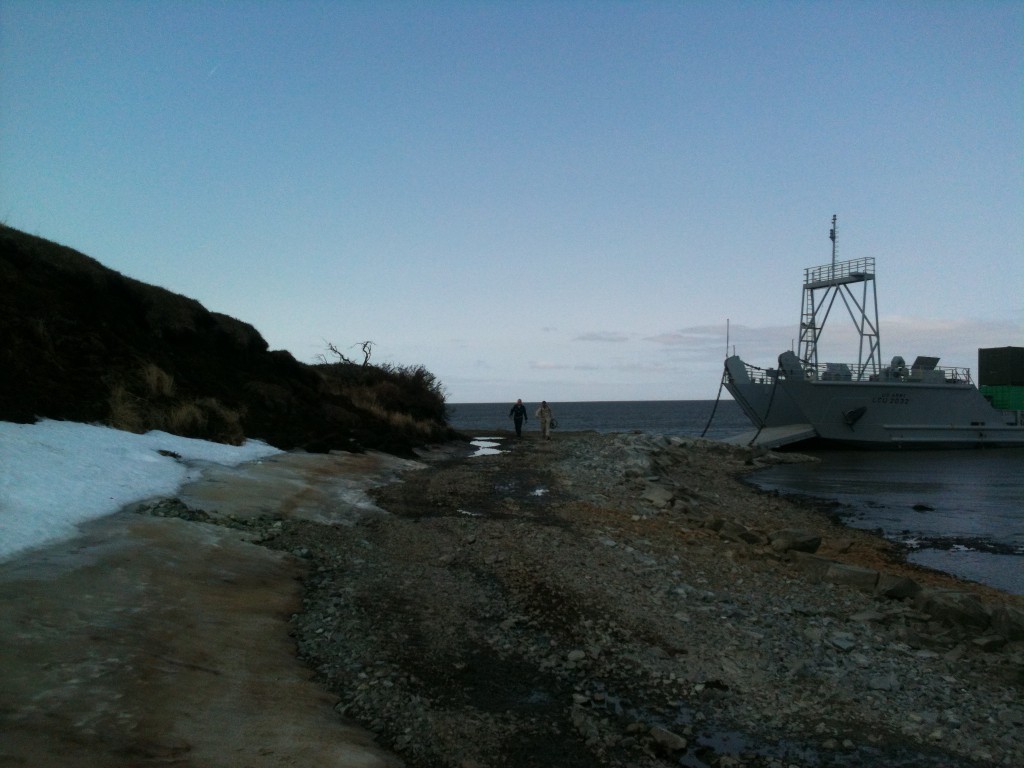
<point x="518" y="416"/>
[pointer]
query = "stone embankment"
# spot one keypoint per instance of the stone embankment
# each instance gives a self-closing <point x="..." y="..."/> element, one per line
<point x="626" y="600"/>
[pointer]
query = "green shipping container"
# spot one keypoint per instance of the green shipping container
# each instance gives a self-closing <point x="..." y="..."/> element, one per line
<point x="1005" y="398"/>
<point x="999" y="366"/>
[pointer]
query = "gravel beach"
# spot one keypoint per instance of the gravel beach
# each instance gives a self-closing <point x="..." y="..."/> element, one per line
<point x="627" y="600"/>
<point x="593" y="600"/>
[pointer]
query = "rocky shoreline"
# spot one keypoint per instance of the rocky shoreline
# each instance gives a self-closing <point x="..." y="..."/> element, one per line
<point x="626" y="600"/>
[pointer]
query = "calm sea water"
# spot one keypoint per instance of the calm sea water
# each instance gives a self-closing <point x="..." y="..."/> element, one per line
<point x="661" y="417"/>
<point x="962" y="512"/>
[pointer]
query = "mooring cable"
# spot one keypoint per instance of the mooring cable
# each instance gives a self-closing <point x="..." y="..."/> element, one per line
<point x="721" y="384"/>
<point x="771" y="399"/>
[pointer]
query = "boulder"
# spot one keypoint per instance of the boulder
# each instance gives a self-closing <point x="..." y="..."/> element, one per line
<point x="795" y="539"/>
<point x="854" y="576"/>
<point x="814" y="566"/>
<point x="953" y="607"/>
<point x="671" y="742"/>
<point x="658" y="495"/>
<point x="1008" y="621"/>
<point x="897" y="587"/>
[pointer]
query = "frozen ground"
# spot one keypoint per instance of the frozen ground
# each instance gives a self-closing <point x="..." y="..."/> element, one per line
<point x="57" y="474"/>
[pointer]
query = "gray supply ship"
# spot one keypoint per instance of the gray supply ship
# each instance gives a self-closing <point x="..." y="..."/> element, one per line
<point x="866" y="404"/>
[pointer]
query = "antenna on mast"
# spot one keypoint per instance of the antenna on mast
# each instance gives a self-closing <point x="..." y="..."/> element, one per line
<point x="832" y="237"/>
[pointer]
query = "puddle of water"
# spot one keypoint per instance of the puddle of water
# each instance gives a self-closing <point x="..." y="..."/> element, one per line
<point x="486" y="446"/>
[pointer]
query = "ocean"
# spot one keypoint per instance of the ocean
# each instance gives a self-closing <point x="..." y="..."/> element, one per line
<point x="660" y="417"/>
<point x="959" y="511"/>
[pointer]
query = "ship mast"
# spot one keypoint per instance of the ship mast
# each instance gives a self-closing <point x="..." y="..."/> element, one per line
<point x="832" y="237"/>
<point x="822" y="286"/>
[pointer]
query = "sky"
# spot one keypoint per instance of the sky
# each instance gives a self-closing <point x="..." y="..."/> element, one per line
<point x="49" y="463"/>
<point x="547" y="200"/>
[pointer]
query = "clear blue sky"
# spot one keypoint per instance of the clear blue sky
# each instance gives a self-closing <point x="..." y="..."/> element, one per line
<point x="558" y="200"/>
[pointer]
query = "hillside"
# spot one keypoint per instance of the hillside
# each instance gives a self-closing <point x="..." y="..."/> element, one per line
<point x="81" y="342"/>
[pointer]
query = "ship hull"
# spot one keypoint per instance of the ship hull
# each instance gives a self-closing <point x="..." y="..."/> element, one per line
<point x="761" y="395"/>
<point x="873" y="414"/>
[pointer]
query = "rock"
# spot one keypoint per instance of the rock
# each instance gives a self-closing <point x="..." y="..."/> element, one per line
<point x="667" y="740"/>
<point x="869" y="617"/>
<point x="1008" y="621"/>
<point x="733" y="531"/>
<point x="955" y="653"/>
<point x="844" y="641"/>
<point x="990" y="642"/>
<point x="854" y="576"/>
<point x="887" y="682"/>
<point x="814" y="566"/>
<point x="953" y="607"/>
<point x="1010" y="717"/>
<point x="795" y="539"/>
<point x="897" y="587"/>
<point x="658" y="495"/>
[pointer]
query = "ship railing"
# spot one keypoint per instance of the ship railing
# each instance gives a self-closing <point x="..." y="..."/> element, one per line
<point x="762" y="375"/>
<point x="956" y="374"/>
<point x="852" y="271"/>
<point x="849" y="372"/>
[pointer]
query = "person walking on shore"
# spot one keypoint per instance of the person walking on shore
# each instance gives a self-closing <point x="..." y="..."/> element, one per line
<point x="546" y="417"/>
<point x="518" y="416"/>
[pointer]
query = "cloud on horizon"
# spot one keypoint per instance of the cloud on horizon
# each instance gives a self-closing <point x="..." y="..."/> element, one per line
<point x="694" y="334"/>
<point x="612" y="336"/>
<point x="544" y="365"/>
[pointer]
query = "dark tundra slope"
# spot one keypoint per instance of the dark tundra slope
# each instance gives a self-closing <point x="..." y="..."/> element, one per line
<point x="81" y="342"/>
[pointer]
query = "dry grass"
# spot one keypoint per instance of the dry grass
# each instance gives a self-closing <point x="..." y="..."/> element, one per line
<point x="156" y="381"/>
<point x="365" y="399"/>
<point x="125" y="412"/>
<point x="147" y="399"/>
<point x="186" y="419"/>
<point x="146" y="402"/>
<point x="224" y="424"/>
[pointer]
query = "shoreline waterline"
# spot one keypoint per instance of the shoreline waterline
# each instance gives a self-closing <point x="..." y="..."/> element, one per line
<point x="969" y="516"/>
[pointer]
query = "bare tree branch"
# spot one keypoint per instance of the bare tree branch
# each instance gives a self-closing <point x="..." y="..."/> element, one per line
<point x="367" y="347"/>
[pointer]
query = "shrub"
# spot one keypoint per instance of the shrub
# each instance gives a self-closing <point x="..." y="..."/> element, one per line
<point x="386" y="389"/>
